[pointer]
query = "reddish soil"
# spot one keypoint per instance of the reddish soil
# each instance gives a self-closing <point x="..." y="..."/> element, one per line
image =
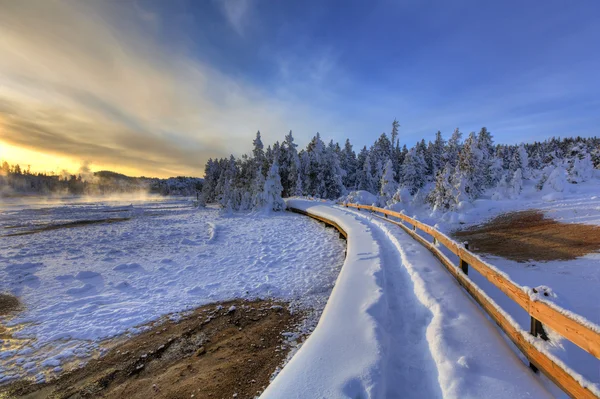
<point x="525" y="236"/>
<point x="211" y="353"/>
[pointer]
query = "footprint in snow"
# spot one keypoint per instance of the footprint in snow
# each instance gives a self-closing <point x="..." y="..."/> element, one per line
<point x="128" y="267"/>
<point x="86" y="274"/>
<point x="86" y="289"/>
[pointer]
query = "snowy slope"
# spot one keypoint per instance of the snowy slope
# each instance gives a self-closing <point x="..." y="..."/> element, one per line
<point x="397" y="325"/>
<point x="84" y="284"/>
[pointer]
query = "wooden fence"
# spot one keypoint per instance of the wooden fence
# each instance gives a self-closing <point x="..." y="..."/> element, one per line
<point x="540" y="312"/>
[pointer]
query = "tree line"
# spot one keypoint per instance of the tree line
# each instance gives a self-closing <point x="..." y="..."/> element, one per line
<point x="442" y="173"/>
<point x="16" y="181"/>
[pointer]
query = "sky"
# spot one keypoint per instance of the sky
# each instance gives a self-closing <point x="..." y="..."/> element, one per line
<point x="155" y="88"/>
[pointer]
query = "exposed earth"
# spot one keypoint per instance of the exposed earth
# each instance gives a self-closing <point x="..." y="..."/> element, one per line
<point x="217" y="351"/>
<point x="528" y="235"/>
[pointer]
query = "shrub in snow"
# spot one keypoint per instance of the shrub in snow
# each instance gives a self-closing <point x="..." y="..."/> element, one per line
<point x="402" y="196"/>
<point x="581" y="169"/>
<point x="557" y="179"/>
<point x="516" y="183"/>
<point x="361" y="197"/>
<point x="201" y="202"/>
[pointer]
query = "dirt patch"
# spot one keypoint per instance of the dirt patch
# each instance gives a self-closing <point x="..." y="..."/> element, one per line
<point x="214" y="352"/>
<point x="524" y="236"/>
<point x="8" y="304"/>
<point x="69" y="225"/>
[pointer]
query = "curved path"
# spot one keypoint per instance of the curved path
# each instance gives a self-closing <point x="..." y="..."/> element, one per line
<point x="398" y="326"/>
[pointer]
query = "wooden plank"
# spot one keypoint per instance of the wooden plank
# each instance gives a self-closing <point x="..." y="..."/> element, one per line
<point x="575" y="332"/>
<point x="511" y="290"/>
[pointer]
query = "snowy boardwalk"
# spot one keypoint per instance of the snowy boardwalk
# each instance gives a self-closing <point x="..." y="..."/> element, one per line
<point x="398" y="325"/>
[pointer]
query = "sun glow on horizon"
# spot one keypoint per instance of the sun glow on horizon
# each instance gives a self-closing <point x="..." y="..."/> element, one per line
<point x="49" y="163"/>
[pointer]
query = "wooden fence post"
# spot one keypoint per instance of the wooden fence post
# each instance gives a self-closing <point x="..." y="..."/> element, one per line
<point x="464" y="266"/>
<point x="536" y="329"/>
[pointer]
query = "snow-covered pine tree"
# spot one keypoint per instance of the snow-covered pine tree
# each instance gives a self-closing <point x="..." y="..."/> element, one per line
<point x="413" y="171"/>
<point x="289" y="164"/>
<point x="332" y="174"/>
<point x="424" y="153"/>
<point x="272" y="190"/>
<point x="348" y="163"/>
<point x="303" y="181"/>
<point x="519" y="160"/>
<point x="516" y="183"/>
<point x="211" y="178"/>
<point x="388" y="183"/>
<point x="315" y="150"/>
<point x="396" y="152"/>
<point x="380" y="152"/>
<point x="436" y="150"/>
<point x="453" y="148"/>
<point x="580" y="166"/>
<point x="366" y="176"/>
<point x="470" y="179"/>
<point x="258" y="152"/>
<point x="258" y="196"/>
<point x="226" y="185"/>
<point x="441" y="197"/>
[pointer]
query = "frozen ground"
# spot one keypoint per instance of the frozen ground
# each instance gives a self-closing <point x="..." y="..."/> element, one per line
<point x="398" y="326"/>
<point x="90" y="282"/>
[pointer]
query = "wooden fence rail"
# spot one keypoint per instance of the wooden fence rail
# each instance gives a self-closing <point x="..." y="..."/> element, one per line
<point x="541" y="312"/>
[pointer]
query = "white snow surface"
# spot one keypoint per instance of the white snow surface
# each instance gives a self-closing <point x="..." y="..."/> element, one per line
<point x="84" y="284"/>
<point x="398" y="325"/>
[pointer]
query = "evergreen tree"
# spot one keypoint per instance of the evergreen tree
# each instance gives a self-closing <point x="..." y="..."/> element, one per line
<point x="348" y="163"/>
<point x="289" y="164"/>
<point x="437" y="149"/>
<point x="366" y="177"/>
<point x="413" y="171"/>
<point x="388" y="182"/>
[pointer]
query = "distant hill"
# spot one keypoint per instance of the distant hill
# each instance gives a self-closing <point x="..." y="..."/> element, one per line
<point x="14" y="181"/>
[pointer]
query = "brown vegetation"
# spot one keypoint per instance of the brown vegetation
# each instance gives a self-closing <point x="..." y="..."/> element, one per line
<point x="214" y="352"/>
<point x="8" y="304"/>
<point x="527" y="235"/>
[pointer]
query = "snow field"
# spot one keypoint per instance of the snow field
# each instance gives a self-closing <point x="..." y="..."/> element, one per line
<point x="86" y="284"/>
<point x="397" y="325"/>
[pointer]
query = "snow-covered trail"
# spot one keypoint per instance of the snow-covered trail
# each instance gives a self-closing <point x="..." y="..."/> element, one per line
<point x="398" y="326"/>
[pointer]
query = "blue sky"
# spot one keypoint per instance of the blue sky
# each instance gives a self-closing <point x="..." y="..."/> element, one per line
<point x="220" y="70"/>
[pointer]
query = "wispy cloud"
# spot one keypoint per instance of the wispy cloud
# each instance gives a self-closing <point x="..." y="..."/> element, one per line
<point x="90" y="82"/>
<point x="237" y="13"/>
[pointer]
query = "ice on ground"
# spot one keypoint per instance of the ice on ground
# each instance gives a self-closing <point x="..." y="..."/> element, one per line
<point x="84" y="284"/>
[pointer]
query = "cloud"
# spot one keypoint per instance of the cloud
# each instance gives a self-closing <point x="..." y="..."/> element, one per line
<point x="237" y="13"/>
<point x="92" y="81"/>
